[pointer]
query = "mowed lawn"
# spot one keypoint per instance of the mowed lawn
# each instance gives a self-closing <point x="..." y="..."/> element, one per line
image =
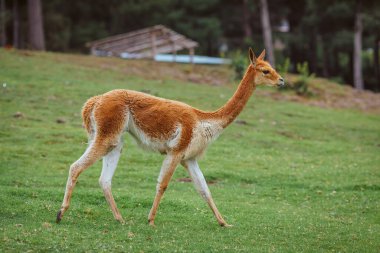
<point x="289" y="177"/>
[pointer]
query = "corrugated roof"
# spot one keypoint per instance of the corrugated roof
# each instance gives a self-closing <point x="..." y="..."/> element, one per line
<point x="144" y="43"/>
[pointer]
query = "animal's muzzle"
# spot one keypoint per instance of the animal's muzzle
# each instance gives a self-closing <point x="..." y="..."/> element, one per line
<point x="281" y="82"/>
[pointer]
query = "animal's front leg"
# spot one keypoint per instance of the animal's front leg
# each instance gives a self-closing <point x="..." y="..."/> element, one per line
<point x="168" y="167"/>
<point x="201" y="185"/>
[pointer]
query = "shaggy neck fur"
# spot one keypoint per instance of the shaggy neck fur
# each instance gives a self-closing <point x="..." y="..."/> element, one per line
<point x="236" y="103"/>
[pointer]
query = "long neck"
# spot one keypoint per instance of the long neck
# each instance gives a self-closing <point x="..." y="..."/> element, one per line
<point x="236" y="103"/>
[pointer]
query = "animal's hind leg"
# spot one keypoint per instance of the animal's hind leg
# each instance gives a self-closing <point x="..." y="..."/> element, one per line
<point x="94" y="152"/>
<point x="109" y="166"/>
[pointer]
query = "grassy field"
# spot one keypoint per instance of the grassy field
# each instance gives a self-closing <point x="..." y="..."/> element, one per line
<point x="292" y="178"/>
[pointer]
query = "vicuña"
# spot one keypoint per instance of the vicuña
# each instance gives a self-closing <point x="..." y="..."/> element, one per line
<point x="175" y="129"/>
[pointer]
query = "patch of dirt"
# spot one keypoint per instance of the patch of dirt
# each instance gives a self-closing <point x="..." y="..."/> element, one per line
<point x="290" y="135"/>
<point x="18" y="115"/>
<point x="60" y="121"/>
<point x="184" y="180"/>
<point x="241" y="122"/>
<point x="188" y="180"/>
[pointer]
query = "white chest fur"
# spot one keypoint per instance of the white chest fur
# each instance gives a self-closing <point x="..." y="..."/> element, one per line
<point x="204" y="133"/>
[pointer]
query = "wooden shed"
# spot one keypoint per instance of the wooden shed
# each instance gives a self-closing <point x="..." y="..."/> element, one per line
<point x="144" y="43"/>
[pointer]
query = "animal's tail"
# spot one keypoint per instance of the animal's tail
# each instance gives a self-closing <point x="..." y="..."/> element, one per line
<point x="86" y="114"/>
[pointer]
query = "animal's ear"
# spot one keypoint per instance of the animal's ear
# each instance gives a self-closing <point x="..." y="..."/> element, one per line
<point x="262" y="55"/>
<point x="252" y="57"/>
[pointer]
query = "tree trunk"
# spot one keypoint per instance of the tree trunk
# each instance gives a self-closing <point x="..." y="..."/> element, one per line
<point x="16" y="25"/>
<point x="335" y="63"/>
<point x="2" y="24"/>
<point x="358" y="30"/>
<point x="313" y="52"/>
<point x="350" y="78"/>
<point x="326" y="55"/>
<point x="267" y="31"/>
<point x="35" y="23"/>
<point x="376" y="63"/>
<point x="246" y="25"/>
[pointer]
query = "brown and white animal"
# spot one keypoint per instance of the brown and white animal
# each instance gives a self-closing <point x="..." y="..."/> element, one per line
<point x="175" y="129"/>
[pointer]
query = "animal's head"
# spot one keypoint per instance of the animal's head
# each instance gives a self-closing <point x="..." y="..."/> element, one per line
<point x="265" y="73"/>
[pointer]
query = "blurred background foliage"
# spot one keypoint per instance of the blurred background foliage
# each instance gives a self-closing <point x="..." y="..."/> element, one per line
<point x="318" y="32"/>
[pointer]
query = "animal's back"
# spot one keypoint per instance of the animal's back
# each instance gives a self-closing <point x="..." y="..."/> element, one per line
<point x="156" y="117"/>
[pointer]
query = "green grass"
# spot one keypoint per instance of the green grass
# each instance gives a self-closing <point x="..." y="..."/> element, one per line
<point x="295" y="178"/>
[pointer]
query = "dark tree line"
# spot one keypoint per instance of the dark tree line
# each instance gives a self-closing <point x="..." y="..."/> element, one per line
<point x="339" y="39"/>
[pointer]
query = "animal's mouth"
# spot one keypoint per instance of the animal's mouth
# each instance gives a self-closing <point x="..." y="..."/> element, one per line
<point x="281" y="83"/>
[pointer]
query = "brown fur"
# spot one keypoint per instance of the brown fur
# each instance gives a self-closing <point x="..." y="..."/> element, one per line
<point x="86" y="111"/>
<point x="107" y="116"/>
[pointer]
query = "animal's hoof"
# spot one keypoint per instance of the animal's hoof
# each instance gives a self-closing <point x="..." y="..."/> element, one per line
<point x="151" y="223"/>
<point x="59" y="216"/>
<point x="121" y="220"/>
<point x="225" y="225"/>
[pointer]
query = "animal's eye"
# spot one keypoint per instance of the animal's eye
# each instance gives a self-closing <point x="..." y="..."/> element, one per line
<point x="266" y="72"/>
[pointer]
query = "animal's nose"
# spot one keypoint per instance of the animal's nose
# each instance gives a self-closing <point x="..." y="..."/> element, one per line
<point x="281" y="82"/>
